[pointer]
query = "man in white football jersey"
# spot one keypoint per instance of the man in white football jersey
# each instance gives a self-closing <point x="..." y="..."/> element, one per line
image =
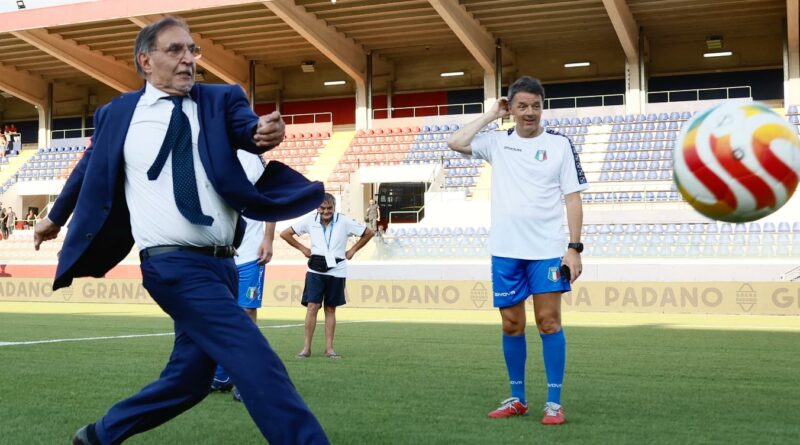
<point x="253" y="253"/>
<point x="532" y="168"/>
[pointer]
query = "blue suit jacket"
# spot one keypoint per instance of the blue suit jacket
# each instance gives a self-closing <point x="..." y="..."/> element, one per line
<point x="99" y="235"/>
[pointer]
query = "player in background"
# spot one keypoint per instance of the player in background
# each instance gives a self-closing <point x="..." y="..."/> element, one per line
<point x="532" y="168"/>
<point x="254" y="252"/>
<point x="326" y="277"/>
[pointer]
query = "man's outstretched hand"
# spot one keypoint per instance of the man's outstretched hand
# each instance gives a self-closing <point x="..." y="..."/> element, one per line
<point x="45" y="231"/>
<point x="270" y="130"/>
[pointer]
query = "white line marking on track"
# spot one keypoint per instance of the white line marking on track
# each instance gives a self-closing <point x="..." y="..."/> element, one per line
<point x="159" y="334"/>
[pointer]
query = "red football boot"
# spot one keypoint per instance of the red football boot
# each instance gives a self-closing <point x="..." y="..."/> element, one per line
<point x="509" y="408"/>
<point x="553" y="414"/>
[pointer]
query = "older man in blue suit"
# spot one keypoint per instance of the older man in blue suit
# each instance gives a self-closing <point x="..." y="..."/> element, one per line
<point x="163" y="172"/>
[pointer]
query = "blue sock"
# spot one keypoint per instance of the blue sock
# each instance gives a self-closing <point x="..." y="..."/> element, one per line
<point x="515" y="351"/>
<point x="220" y="374"/>
<point x="554" y="349"/>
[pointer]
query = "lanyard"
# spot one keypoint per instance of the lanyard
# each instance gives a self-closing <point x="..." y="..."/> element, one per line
<point x="329" y="235"/>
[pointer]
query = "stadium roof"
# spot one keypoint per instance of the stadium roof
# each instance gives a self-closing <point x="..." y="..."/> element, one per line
<point x="88" y="43"/>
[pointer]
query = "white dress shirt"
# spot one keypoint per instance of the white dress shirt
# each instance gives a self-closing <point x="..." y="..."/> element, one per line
<point x="155" y="219"/>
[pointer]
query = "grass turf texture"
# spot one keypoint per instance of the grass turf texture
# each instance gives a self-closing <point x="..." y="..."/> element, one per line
<point x="404" y="383"/>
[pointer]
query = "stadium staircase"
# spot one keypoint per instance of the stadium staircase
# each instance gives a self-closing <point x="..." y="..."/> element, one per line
<point x="328" y="158"/>
<point x="15" y="163"/>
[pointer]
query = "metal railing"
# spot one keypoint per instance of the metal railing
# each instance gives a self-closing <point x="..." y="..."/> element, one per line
<point x="71" y="133"/>
<point x="792" y="275"/>
<point x="699" y="92"/>
<point x="289" y="119"/>
<point x="586" y="101"/>
<point x="416" y="214"/>
<point x="461" y="109"/>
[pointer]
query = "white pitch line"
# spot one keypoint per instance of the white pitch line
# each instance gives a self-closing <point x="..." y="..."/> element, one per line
<point x="160" y="334"/>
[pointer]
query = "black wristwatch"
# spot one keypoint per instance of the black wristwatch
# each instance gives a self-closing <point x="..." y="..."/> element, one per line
<point x="577" y="246"/>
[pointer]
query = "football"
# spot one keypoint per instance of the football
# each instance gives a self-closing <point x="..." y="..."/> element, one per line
<point x="737" y="161"/>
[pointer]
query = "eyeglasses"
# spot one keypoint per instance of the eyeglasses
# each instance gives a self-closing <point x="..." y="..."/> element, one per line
<point x="177" y="50"/>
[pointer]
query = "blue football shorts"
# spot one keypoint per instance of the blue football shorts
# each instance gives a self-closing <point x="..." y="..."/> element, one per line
<point x="251" y="284"/>
<point x="513" y="280"/>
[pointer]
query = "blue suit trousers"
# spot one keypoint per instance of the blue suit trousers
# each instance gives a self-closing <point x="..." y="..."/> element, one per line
<point x="198" y="292"/>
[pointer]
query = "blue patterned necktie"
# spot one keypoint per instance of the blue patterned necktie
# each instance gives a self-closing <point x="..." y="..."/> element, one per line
<point x="178" y="140"/>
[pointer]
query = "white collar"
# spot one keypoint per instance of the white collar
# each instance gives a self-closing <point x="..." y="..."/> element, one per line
<point x="152" y="94"/>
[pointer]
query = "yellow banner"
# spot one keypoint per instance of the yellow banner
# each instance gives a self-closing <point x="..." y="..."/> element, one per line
<point x="83" y="290"/>
<point x="760" y="298"/>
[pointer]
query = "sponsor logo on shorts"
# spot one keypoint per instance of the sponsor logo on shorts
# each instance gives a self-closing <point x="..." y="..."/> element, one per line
<point x="505" y="294"/>
<point x="553" y="274"/>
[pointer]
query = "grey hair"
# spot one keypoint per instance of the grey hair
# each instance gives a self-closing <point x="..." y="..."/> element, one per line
<point x="526" y="84"/>
<point x="329" y="199"/>
<point x="146" y="40"/>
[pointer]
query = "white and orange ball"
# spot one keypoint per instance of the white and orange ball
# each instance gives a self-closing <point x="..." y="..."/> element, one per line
<point x="737" y="161"/>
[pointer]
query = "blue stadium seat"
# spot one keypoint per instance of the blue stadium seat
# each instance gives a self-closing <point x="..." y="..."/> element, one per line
<point x="608" y="119"/>
<point x="603" y="176"/>
<point x="783" y="227"/>
<point x="685" y="115"/>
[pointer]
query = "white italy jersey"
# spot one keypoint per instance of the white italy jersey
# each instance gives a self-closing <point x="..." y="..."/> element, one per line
<point x="254" y="232"/>
<point x="529" y="177"/>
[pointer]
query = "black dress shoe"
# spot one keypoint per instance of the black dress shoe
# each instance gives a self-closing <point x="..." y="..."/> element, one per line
<point x="82" y="436"/>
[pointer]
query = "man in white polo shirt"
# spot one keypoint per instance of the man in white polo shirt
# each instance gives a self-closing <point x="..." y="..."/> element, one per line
<point x="532" y="168"/>
<point x="327" y="265"/>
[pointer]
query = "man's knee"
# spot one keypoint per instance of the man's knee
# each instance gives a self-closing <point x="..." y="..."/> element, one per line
<point x="513" y="326"/>
<point x="548" y="323"/>
<point x="313" y="308"/>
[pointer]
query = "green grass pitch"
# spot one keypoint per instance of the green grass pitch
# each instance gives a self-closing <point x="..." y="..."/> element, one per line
<point x="404" y="383"/>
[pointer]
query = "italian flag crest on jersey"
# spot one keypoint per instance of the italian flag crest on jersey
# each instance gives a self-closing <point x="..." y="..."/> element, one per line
<point x="541" y="155"/>
<point x="553" y="274"/>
